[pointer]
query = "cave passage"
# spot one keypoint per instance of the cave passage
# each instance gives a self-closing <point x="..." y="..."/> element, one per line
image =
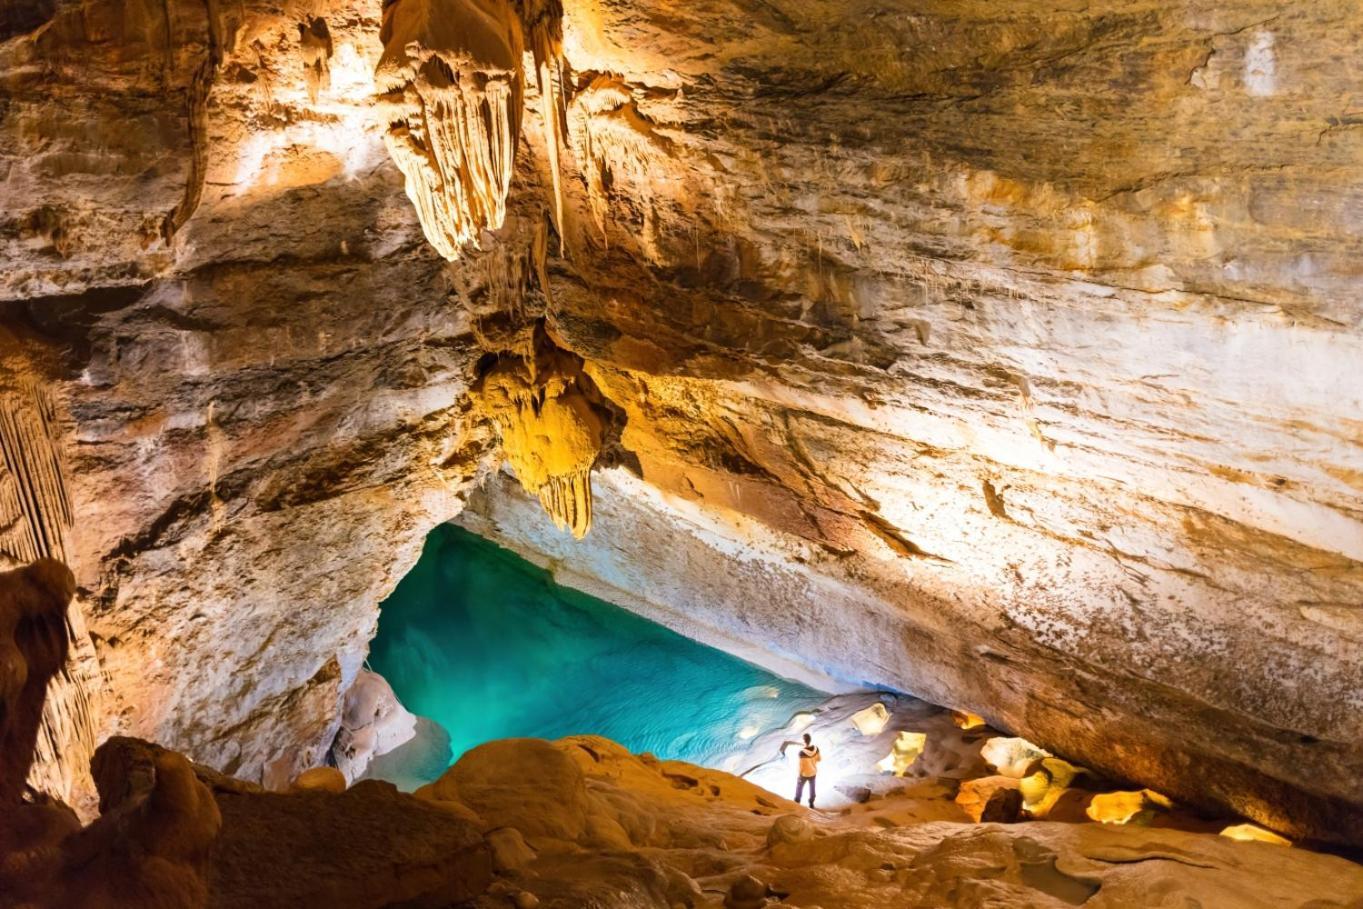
<point x="489" y="646"/>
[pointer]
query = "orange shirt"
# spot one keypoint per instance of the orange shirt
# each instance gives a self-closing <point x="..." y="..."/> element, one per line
<point x="809" y="760"/>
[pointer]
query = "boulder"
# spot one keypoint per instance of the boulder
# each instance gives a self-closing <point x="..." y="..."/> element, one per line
<point x="373" y="723"/>
<point x="324" y="779"/>
<point x="789" y="828"/>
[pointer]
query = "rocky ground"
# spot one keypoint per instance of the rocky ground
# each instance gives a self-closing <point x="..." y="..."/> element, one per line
<point x="582" y="822"/>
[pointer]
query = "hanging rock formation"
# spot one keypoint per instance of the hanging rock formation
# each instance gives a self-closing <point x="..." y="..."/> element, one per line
<point x="452" y="92"/>
<point x="33" y="647"/>
<point x="551" y="423"/>
<point x="452" y="86"/>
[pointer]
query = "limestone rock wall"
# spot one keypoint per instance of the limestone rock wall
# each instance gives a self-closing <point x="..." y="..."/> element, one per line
<point x="262" y="417"/>
<point x="1037" y="329"/>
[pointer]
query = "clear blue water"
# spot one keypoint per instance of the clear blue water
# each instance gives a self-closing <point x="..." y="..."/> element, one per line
<point x="489" y="647"/>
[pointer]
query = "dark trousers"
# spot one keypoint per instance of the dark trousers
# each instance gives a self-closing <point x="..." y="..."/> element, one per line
<point x="800" y="788"/>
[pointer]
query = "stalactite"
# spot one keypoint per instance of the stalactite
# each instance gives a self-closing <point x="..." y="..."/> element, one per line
<point x="551" y="421"/>
<point x="614" y="143"/>
<point x="314" y="39"/>
<point x="452" y="93"/>
<point x="34" y="505"/>
<point x="452" y="86"/>
<point x="543" y="22"/>
<point x="199" y="89"/>
<point x="568" y="500"/>
<point x="539" y="257"/>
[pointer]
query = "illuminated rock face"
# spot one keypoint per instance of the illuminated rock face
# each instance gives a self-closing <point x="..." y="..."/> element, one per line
<point x="452" y="85"/>
<point x="586" y="823"/>
<point x="453" y="89"/>
<point x="907" y="747"/>
<point x="1004" y="354"/>
<point x="1126" y="807"/>
<point x="260" y="421"/>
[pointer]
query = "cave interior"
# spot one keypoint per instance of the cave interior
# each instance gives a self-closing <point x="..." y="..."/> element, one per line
<point x="469" y="453"/>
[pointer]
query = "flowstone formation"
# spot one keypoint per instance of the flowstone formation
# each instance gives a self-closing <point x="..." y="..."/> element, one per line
<point x="35" y="524"/>
<point x="33" y="649"/>
<point x="552" y="426"/>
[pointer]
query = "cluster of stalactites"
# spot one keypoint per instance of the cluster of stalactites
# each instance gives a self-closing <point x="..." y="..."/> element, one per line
<point x="568" y="500"/>
<point x="551" y="423"/>
<point x="543" y="21"/>
<point x="452" y="88"/>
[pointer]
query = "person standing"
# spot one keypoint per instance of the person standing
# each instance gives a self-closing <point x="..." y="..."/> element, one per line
<point x="809" y="769"/>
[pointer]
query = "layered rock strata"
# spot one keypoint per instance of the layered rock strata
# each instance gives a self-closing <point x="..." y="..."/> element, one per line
<point x="277" y="392"/>
<point x="1064" y="408"/>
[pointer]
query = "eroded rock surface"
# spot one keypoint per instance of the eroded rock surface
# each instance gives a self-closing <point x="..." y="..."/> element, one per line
<point x="373" y="723"/>
<point x="276" y="394"/>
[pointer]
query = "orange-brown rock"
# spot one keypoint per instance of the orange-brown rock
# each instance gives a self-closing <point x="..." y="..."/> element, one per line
<point x="611" y="828"/>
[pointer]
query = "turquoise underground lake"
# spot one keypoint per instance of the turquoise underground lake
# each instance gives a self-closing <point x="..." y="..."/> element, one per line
<point x="488" y="646"/>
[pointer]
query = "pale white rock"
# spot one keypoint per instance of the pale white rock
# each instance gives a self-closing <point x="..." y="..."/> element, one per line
<point x="373" y="723"/>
